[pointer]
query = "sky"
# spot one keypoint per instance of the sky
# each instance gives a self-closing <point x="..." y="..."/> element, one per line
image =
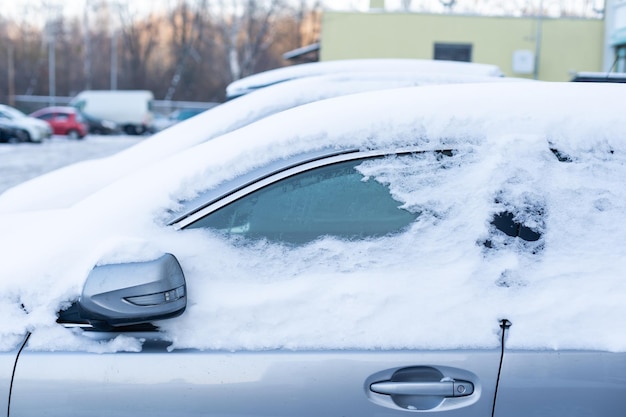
<point x="557" y="292"/>
<point x="76" y="6"/>
<point x="496" y="7"/>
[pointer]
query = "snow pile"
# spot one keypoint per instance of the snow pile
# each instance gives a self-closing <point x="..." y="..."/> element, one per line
<point x="554" y="155"/>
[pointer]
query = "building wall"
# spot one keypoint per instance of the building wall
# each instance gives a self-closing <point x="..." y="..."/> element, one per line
<point x="567" y="45"/>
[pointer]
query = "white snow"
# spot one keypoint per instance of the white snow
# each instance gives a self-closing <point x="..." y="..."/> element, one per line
<point x="434" y="286"/>
<point x="69" y="183"/>
<point x="416" y="66"/>
<point x="25" y="161"/>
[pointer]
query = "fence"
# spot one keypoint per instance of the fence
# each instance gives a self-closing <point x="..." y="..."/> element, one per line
<point x="29" y="104"/>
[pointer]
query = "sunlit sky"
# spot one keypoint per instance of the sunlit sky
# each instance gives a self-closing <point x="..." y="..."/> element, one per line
<point x="16" y="7"/>
<point x="29" y="9"/>
<point x="34" y="10"/>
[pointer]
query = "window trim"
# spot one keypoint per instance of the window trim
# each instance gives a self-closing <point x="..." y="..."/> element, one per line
<point x="236" y="193"/>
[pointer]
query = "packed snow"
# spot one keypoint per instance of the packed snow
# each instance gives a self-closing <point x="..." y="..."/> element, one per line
<point x="445" y="283"/>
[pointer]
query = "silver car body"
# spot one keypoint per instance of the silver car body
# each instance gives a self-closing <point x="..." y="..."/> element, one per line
<point x="164" y="379"/>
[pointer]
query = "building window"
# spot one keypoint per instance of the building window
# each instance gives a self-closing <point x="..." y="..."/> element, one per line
<point x="453" y="52"/>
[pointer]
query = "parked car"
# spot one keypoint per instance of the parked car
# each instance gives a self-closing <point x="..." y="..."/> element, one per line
<point x="179" y="115"/>
<point x="10" y="134"/>
<point x="160" y="122"/>
<point x="98" y="126"/>
<point x="30" y="128"/>
<point x="64" y="120"/>
<point x="234" y="114"/>
<point x="129" y="109"/>
<point x="438" y="251"/>
<point x="599" y="77"/>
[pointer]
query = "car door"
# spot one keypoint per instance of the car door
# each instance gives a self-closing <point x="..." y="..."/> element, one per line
<point x="373" y="365"/>
<point x="563" y="382"/>
<point x="8" y="358"/>
<point x="62" y="123"/>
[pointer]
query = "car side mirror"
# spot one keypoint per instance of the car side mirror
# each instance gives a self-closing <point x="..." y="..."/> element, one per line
<point x="125" y="294"/>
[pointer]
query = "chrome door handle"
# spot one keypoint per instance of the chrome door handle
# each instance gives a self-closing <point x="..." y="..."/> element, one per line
<point x="444" y="388"/>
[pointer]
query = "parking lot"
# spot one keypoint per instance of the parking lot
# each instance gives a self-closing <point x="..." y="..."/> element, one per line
<point x="21" y="162"/>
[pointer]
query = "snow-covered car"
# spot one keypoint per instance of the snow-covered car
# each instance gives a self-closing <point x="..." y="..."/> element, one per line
<point x="69" y="185"/>
<point x="31" y="128"/>
<point x="438" y="251"/>
<point x="264" y="79"/>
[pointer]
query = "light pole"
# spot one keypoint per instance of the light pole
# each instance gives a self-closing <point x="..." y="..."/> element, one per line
<point x="11" y="73"/>
<point x="538" y="35"/>
<point x="50" y="35"/>
<point x="87" y="40"/>
<point x="113" y="29"/>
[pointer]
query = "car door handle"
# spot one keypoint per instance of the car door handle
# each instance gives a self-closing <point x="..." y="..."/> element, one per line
<point x="445" y="388"/>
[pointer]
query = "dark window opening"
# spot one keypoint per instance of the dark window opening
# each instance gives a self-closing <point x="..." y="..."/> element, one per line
<point x="453" y="52"/>
<point x="505" y="222"/>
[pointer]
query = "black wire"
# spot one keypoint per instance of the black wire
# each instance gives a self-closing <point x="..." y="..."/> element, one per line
<point x="612" y="66"/>
<point x="504" y="325"/>
<point x="13" y="373"/>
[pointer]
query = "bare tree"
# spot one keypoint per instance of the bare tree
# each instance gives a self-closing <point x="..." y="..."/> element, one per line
<point x="307" y="18"/>
<point x="553" y="8"/>
<point x="139" y="36"/>
<point x="188" y="22"/>
<point x="246" y="33"/>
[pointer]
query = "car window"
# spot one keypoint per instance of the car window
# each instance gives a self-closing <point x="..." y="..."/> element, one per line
<point x="334" y="200"/>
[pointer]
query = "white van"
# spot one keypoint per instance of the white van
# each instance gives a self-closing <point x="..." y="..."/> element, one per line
<point x="130" y="109"/>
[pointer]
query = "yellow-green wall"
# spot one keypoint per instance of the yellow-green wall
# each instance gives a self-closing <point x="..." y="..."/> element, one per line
<point x="568" y="45"/>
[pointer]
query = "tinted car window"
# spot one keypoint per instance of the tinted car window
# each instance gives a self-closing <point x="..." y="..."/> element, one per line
<point x="334" y="200"/>
<point x="47" y="116"/>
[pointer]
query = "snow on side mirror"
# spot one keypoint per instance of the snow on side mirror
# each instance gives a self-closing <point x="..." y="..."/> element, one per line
<point x="125" y="294"/>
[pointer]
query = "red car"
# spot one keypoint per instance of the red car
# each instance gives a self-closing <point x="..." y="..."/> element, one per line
<point x="64" y="121"/>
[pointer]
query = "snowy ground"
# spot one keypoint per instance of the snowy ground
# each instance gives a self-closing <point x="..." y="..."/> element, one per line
<point x="21" y="162"/>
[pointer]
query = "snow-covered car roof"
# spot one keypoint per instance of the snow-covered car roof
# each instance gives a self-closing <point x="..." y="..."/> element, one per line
<point x="554" y="154"/>
<point x="53" y="109"/>
<point x="271" y="77"/>
<point x="69" y="183"/>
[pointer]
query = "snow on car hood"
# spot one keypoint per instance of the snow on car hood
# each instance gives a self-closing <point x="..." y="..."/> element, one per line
<point x="555" y="154"/>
